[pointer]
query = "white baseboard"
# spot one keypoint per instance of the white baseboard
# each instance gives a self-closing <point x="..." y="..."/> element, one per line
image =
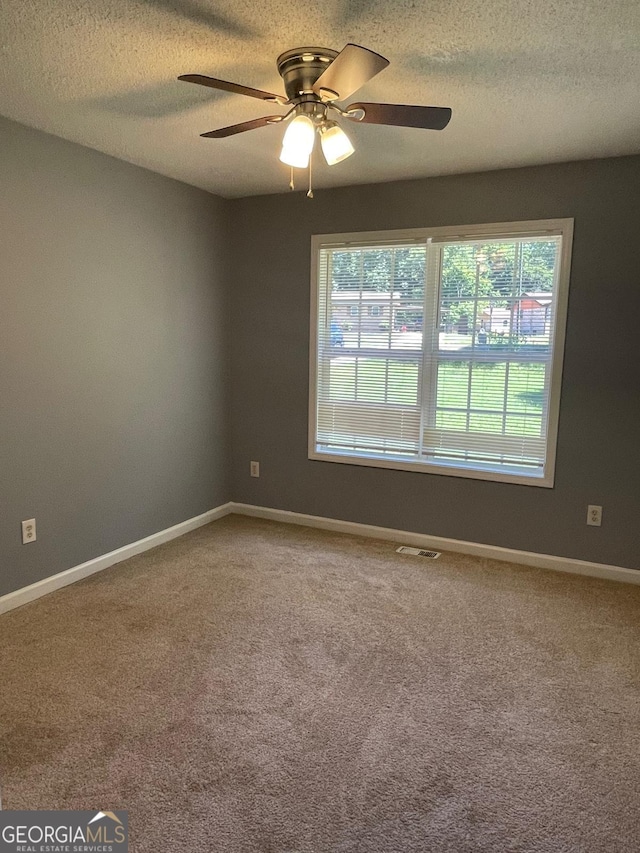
<point x="50" y="584"/>
<point x="440" y="543"/>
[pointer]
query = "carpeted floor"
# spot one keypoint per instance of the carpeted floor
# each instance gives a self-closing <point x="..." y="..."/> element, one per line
<point x="262" y="687"/>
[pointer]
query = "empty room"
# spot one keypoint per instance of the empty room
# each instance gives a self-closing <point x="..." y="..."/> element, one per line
<point x="319" y="406"/>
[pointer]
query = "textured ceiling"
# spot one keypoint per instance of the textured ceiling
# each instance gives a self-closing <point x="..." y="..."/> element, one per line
<point x="529" y="81"/>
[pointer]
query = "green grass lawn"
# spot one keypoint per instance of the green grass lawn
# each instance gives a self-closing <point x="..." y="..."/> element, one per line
<point x="500" y="397"/>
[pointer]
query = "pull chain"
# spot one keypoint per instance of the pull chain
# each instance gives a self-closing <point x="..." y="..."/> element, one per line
<point x="291" y="184"/>
<point x="310" y="190"/>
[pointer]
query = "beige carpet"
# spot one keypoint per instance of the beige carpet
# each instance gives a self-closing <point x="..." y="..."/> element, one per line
<point x="261" y="687"/>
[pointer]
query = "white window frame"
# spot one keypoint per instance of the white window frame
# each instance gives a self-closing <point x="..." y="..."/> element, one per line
<point x="529" y="228"/>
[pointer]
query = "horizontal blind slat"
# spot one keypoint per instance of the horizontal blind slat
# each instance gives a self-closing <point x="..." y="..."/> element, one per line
<point x="487" y="370"/>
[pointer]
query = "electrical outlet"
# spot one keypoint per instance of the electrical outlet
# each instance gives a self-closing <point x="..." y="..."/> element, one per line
<point x="255" y="469"/>
<point x="28" y="531"/>
<point x="594" y="516"/>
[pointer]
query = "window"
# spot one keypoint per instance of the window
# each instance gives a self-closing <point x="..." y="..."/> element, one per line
<point x="375" y="311"/>
<point x="463" y="377"/>
<point x="354" y="310"/>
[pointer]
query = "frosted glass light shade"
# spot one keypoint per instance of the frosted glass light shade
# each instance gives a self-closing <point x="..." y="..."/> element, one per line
<point x="336" y="145"/>
<point x="294" y="157"/>
<point x="297" y="143"/>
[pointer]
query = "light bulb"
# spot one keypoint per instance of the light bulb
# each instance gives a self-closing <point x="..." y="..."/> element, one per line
<point x="297" y="143"/>
<point x="336" y="145"/>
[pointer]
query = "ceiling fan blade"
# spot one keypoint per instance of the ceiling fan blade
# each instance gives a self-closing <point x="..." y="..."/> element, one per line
<point x="212" y="83"/>
<point x="352" y="68"/>
<point x="403" y="115"/>
<point x="222" y="132"/>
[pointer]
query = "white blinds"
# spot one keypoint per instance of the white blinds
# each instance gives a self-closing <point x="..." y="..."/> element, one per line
<point x="368" y="370"/>
<point x="437" y="354"/>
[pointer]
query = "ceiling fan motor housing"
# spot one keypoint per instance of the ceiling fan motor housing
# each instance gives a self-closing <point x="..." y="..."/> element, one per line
<point x="301" y="67"/>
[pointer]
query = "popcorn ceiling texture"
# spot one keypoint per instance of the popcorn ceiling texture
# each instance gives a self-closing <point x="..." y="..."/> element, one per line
<point x="528" y="82"/>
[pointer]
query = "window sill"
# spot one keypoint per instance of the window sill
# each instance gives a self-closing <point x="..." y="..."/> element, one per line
<point x="398" y="464"/>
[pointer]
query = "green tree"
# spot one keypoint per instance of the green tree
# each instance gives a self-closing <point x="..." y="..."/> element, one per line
<point x="399" y="270"/>
<point x="465" y="272"/>
<point x="494" y="273"/>
<point x="520" y="268"/>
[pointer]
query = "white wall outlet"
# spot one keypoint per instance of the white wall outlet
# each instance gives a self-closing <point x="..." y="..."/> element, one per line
<point x="255" y="469"/>
<point x="28" y="531"/>
<point x="594" y="516"/>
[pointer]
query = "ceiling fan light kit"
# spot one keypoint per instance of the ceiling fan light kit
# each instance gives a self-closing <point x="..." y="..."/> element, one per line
<point x="336" y="145"/>
<point x="314" y="79"/>
<point x="297" y="142"/>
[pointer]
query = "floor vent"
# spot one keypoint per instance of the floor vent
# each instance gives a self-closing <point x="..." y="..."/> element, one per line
<point x="417" y="552"/>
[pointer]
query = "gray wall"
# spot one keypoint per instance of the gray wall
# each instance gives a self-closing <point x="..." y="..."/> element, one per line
<point x="599" y="439"/>
<point x="113" y="409"/>
<point x="116" y="351"/>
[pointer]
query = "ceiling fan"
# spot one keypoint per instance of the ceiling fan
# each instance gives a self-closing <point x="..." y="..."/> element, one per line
<point x="315" y="78"/>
